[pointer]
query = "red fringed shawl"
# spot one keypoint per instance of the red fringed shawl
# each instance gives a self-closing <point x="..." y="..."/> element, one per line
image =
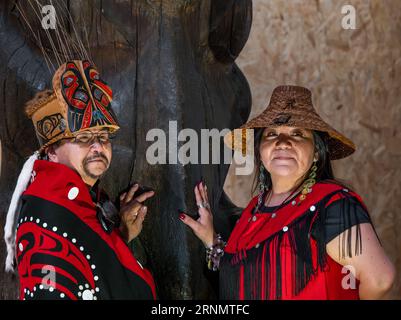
<point x="277" y="257"/>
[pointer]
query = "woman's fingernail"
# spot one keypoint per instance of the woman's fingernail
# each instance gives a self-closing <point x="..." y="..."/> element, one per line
<point x="182" y="216"/>
<point x="144" y="208"/>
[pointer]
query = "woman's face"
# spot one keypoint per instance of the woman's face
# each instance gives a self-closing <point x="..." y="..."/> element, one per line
<point x="287" y="151"/>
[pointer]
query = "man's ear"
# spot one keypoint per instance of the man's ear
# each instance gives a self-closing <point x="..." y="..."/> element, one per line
<point x="51" y="153"/>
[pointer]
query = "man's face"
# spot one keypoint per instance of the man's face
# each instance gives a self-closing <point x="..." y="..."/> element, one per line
<point x="89" y="154"/>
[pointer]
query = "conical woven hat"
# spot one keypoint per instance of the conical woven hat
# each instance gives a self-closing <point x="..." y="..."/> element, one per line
<point x="291" y="106"/>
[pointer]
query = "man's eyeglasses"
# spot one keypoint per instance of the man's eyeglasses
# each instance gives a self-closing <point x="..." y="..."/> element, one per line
<point x="87" y="138"/>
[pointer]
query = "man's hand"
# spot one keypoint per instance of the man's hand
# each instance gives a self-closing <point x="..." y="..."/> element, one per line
<point x="132" y="212"/>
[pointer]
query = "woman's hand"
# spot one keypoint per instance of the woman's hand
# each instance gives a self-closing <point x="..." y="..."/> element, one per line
<point x="203" y="226"/>
<point x="132" y="213"/>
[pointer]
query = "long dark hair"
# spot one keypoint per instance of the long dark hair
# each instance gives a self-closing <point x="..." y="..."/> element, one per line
<point x="324" y="170"/>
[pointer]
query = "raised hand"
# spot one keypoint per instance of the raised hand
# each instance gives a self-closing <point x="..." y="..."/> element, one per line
<point x="132" y="212"/>
<point x="203" y="226"/>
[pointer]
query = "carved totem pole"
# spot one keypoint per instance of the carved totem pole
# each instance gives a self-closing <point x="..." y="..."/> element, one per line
<point x="170" y="63"/>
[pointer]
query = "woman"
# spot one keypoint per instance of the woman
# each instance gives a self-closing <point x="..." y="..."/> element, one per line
<point x="306" y="235"/>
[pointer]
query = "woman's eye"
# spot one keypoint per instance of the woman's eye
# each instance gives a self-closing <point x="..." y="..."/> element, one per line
<point x="297" y="134"/>
<point x="270" y="134"/>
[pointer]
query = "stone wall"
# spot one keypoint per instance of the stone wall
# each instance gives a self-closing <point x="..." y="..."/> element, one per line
<point x="355" y="78"/>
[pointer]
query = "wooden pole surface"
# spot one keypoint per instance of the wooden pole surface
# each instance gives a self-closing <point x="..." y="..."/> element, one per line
<point x="166" y="60"/>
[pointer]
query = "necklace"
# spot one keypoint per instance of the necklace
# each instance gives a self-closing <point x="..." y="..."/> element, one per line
<point x="272" y="216"/>
<point x="269" y="197"/>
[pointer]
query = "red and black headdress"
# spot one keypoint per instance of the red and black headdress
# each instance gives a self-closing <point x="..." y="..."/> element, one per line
<point x="80" y="100"/>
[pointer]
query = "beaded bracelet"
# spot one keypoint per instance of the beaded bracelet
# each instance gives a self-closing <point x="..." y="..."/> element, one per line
<point x="214" y="253"/>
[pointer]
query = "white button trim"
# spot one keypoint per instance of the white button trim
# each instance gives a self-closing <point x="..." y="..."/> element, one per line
<point x="73" y="193"/>
<point x="87" y="295"/>
<point x="285" y="229"/>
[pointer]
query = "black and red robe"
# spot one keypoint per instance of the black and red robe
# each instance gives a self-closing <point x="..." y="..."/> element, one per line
<point x="63" y="252"/>
<point x="281" y="253"/>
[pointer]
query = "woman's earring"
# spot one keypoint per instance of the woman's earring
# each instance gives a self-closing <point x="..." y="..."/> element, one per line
<point x="262" y="179"/>
<point x="262" y="187"/>
<point x="308" y="184"/>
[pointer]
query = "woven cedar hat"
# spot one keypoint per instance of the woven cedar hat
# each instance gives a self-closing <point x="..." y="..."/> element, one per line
<point x="290" y="106"/>
<point x="79" y="100"/>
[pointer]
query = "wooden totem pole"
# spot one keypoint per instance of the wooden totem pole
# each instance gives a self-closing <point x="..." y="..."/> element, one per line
<point x="169" y="63"/>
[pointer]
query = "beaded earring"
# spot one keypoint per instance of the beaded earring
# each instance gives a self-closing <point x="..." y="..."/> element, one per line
<point x="308" y="184"/>
<point x="262" y="179"/>
<point x="262" y="186"/>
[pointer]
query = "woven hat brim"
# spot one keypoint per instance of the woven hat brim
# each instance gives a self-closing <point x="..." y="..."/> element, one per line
<point x="339" y="146"/>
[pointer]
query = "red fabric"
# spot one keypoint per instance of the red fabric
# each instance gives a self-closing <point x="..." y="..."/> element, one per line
<point x="325" y="284"/>
<point x="56" y="190"/>
<point x="86" y="109"/>
<point x="44" y="241"/>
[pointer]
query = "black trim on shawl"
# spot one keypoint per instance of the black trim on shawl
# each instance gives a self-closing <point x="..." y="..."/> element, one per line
<point x="299" y="234"/>
<point x="115" y="281"/>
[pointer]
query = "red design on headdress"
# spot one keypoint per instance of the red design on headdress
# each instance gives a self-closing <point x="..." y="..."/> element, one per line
<point x="88" y="97"/>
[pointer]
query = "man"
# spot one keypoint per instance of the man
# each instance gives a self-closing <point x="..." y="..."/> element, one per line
<point x="69" y="240"/>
